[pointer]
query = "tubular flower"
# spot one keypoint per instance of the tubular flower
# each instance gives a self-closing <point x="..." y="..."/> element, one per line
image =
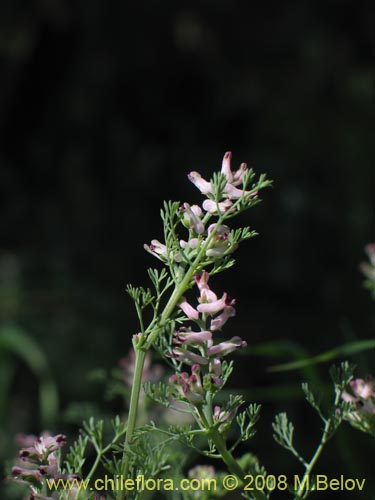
<point x="198" y="181"/>
<point x="191" y="338"/>
<point x="188" y="357"/>
<point x="189" y="387"/>
<point x="189" y="310"/>
<point x="43" y="447"/>
<point x="192" y="219"/>
<point x="225" y="348"/>
<point x="220" y="243"/>
<point x="38" y="461"/>
<point x="215" y="306"/>
<point x="362" y="397"/>
<point x="234" y="179"/>
<point x="216" y="208"/>
<point x="206" y="294"/>
<point x="218" y="322"/>
<point x="216" y="372"/>
<point x="159" y="250"/>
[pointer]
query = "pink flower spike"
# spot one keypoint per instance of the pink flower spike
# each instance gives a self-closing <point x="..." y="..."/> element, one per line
<point x="198" y="181"/>
<point x="225" y="168"/>
<point x="225" y="348"/>
<point x="189" y="310"/>
<point x="192" y="338"/>
<point x="213" y="308"/>
<point x="218" y="322"/>
<point x="188" y="357"/>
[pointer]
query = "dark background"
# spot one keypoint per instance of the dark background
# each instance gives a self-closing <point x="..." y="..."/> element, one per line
<point x="104" y="109"/>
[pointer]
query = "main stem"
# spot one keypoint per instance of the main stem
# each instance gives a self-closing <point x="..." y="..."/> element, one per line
<point x="140" y="351"/>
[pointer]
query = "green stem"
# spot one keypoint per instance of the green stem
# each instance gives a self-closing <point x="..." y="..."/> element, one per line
<point x="225" y="454"/>
<point x="140" y="356"/>
<point x="180" y="289"/>
<point x="309" y="467"/>
<point x="141" y="350"/>
<point x="232" y="464"/>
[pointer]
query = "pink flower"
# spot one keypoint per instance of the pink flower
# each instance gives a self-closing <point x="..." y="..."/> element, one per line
<point x="225" y="167"/>
<point x="159" y="250"/>
<point x="206" y="294"/>
<point x="239" y="175"/>
<point x="189" y="310"/>
<point x="188" y="357"/>
<point x="234" y="178"/>
<point x="235" y="193"/>
<point x="218" y="322"/>
<point x="216" y="372"/>
<point x="189" y="388"/>
<point x="198" y="181"/>
<point x="223" y="417"/>
<point x="219" y="244"/>
<point x="192" y="243"/>
<point x="192" y="219"/>
<point x="23" y="472"/>
<point x="363" y="399"/>
<point x="42" y="447"/>
<point x="192" y="338"/>
<point x="216" y="208"/>
<point x="215" y="306"/>
<point x="363" y="388"/>
<point x="227" y="347"/>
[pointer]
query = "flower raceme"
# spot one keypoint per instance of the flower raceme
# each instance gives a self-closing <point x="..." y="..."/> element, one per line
<point x="197" y="348"/>
<point x="38" y="461"/>
<point x="231" y="191"/>
<point x="222" y="200"/>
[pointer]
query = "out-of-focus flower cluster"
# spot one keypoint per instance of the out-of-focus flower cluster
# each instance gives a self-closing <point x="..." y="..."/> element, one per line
<point x="151" y="372"/>
<point x="38" y="461"/>
<point x="197" y="348"/>
<point x="362" y="397"/>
